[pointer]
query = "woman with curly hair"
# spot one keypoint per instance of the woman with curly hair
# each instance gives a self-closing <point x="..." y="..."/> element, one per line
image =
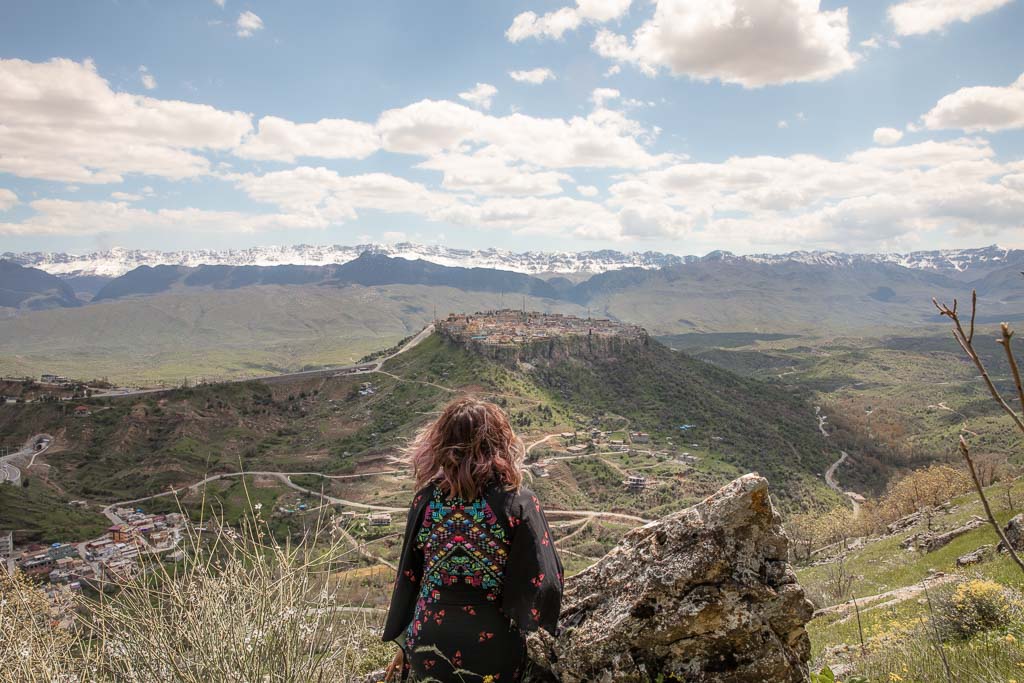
<point x="478" y="569"/>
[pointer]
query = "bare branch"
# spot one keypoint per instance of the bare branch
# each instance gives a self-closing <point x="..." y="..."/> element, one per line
<point x="965" y="451"/>
<point x="966" y="343"/>
<point x="974" y="311"/>
<point x="1005" y="341"/>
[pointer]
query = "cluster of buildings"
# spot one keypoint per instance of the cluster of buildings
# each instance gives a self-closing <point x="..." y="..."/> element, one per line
<point x="111" y="557"/>
<point x="509" y="326"/>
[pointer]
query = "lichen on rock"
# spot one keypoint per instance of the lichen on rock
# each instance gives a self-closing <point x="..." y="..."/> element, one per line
<point x="704" y="594"/>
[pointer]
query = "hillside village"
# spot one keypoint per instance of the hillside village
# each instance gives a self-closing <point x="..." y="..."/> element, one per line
<point x="509" y="326"/>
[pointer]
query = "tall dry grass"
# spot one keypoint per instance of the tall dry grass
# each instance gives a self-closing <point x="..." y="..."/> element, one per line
<point x="239" y="607"/>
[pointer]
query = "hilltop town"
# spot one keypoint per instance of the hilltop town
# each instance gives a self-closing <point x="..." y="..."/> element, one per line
<point x="509" y="326"/>
<point x="511" y="335"/>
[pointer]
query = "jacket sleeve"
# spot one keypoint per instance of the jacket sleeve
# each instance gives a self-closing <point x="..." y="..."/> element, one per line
<point x="409" y="575"/>
<point x="533" y="573"/>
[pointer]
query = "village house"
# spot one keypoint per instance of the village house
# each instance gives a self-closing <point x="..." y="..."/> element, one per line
<point x="635" y="482"/>
<point x="379" y="518"/>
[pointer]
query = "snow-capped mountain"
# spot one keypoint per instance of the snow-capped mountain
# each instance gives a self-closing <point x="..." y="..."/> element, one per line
<point x="962" y="263"/>
<point x="116" y="262"/>
<point x="966" y="262"/>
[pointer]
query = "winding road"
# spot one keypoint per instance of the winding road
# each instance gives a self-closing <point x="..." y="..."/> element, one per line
<point x="11" y="473"/>
<point x="830" y="474"/>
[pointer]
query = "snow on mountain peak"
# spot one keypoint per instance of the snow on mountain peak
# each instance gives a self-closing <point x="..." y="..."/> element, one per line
<point x="117" y="261"/>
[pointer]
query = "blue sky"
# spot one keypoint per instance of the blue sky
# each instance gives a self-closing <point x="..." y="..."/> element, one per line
<point x="672" y="125"/>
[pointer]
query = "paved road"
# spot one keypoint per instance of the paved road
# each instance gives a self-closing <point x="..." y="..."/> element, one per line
<point x="9" y="472"/>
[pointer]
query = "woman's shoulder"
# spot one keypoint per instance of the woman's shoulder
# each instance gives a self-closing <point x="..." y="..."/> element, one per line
<point x="522" y="501"/>
<point x="424" y="494"/>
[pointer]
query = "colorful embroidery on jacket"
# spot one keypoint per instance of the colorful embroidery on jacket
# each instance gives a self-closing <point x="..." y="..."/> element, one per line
<point x="463" y="543"/>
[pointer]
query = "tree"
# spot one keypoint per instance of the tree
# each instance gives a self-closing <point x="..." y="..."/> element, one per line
<point x="965" y="338"/>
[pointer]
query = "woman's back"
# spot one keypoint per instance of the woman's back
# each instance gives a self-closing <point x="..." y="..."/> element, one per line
<point x="478" y="569"/>
<point x="464" y="548"/>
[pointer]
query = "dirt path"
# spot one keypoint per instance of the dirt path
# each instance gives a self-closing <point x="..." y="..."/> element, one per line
<point x="884" y="600"/>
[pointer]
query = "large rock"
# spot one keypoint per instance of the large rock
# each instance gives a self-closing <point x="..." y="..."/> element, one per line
<point x="975" y="557"/>
<point x="930" y="542"/>
<point x="702" y="595"/>
<point x="1014" y="532"/>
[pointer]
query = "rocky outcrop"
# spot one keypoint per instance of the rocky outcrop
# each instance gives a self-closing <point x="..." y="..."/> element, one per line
<point x="702" y="595"/>
<point x="929" y="542"/>
<point x="562" y="348"/>
<point x="1014" y="532"/>
<point x="975" y="557"/>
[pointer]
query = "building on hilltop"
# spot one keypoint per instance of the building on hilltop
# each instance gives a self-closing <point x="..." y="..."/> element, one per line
<point x="509" y="334"/>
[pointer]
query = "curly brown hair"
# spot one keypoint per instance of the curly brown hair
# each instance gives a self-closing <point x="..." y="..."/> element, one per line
<point x="469" y="446"/>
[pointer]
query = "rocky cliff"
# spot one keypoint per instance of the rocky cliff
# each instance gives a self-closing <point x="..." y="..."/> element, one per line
<point x="561" y="348"/>
<point x="702" y="595"/>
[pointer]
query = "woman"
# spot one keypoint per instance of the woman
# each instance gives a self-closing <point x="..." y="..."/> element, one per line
<point x="478" y="569"/>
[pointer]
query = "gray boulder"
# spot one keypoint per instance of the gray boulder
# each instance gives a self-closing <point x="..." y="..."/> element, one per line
<point x="975" y="557"/>
<point x="705" y="594"/>
<point x="1014" y="532"/>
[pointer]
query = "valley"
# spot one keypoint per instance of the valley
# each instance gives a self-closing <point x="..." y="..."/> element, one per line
<point x="622" y="425"/>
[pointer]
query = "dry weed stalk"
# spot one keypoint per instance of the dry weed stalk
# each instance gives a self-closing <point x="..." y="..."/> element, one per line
<point x="966" y="342"/>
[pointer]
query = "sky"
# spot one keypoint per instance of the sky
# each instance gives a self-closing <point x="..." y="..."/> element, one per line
<point x="681" y="126"/>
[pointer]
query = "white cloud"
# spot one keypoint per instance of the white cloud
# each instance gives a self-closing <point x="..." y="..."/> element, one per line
<point x="782" y="124"/>
<point x="556" y="24"/>
<point x="537" y="216"/>
<point x="125" y="196"/>
<point x="600" y="96"/>
<point x="247" y="24"/>
<point x="871" y="43"/>
<point x="63" y="217"/>
<point x="219" y="3"/>
<point x="7" y="199"/>
<point x="550" y="25"/>
<point x="533" y="76"/>
<point x="489" y="173"/>
<point x="480" y="95"/>
<point x="879" y="195"/>
<point x="61" y="121"/>
<point x="613" y="70"/>
<point x="916" y="17"/>
<point x="752" y="43"/>
<point x="587" y="190"/>
<point x="148" y="81"/>
<point x="603" y="139"/>
<point x="887" y="136"/>
<point x="324" y="195"/>
<point x="980" y="108"/>
<point x="283" y="140"/>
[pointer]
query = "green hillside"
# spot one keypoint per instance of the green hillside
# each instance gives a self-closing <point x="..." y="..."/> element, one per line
<point x="140" y="445"/>
<point x="251" y="331"/>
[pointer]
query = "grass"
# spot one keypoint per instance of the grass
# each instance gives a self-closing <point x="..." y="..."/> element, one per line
<point x="238" y="607"/>
<point x="38" y="513"/>
<point x="897" y="643"/>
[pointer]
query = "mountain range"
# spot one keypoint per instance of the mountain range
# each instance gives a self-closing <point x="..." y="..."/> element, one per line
<point x="165" y="322"/>
<point x="960" y="263"/>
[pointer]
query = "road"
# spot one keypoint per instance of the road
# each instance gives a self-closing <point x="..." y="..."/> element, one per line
<point x="830" y="474"/>
<point x="9" y="472"/>
<point x="283" y="477"/>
